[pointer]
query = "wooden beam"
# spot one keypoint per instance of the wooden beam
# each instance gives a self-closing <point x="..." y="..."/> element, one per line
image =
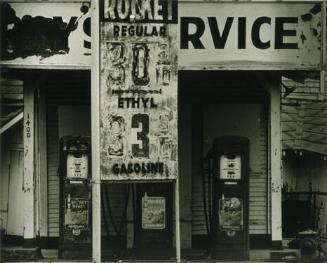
<point x="28" y="205"/>
<point x="12" y="122"/>
<point x="95" y="132"/>
<point x="275" y="165"/>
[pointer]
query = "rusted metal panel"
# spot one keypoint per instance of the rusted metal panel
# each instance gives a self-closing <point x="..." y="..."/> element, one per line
<point x="250" y="35"/>
<point x="45" y="35"/>
<point x="138" y="94"/>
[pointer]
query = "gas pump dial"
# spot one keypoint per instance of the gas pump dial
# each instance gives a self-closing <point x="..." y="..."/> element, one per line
<point x="230" y="167"/>
<point x="77" y="166"/>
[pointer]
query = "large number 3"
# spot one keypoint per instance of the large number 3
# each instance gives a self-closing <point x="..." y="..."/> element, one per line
<point x="143" y="151"/>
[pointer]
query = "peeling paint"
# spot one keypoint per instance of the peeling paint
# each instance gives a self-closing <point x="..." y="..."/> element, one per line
<point x="313" y="11"/>
<point x="38" y="35"/>
<point x="303" y="37"/>
<point x="138" y="100"/>
<point x="275" y="188"/>
<point x="314" y="31"/>
<point x="201" y="49"/>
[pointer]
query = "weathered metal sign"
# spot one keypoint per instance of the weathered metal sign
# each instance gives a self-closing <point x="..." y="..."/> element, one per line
<point x="45" y="34"/>
<point x="153" y="212"/>
<point x="221" y="35"/>
<point x="138" y="92"/>
<point x="250" y="35"/>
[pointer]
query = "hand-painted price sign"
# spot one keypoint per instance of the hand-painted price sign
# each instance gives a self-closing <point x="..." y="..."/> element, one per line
<point x="138" y="100"/>
<point x="143" y="120"/>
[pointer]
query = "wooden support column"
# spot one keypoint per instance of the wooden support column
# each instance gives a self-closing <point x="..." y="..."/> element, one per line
<point x="28" y="205"/>
<point x="42" y="161"/>
<point x="177" y="222"/>
<point x="276" y="165"/>
<point x="95" y="132"/>
<point x="323" y="51"/>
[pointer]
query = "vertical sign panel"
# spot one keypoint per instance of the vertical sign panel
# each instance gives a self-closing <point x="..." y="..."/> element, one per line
<point x="138" y="90"/>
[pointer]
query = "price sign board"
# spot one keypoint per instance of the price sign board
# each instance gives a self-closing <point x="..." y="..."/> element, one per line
<point x="138" y="91"/>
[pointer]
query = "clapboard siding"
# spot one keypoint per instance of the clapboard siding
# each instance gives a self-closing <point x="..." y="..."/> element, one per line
<point x="53" y="161"/>
<point x="252" y="124"/>
<point x="71" y="89"/>
<point x="304" y="116"/>
<point x="304" y="125"/>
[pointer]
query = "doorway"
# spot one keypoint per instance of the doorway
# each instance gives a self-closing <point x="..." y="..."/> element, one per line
<point x="213" y="104"/>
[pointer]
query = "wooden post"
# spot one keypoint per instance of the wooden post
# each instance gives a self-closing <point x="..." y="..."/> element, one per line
<point x="276" y="165"/>
<point x="323" y="51"/>
<point x="28" y="205"/>
<point x="95" y="120"/>
<point x="42" y="161"/>
<point x="177" y="223"/>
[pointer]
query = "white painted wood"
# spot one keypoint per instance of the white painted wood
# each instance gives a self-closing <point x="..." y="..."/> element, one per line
<point x="42" y="160"/>
<point x="322" y="85"/>
<point x="15" y="217"/>
<point x="324" y="34"/>
<point x="28" y="176"/>
<point x="177" y="223"/>
<point x="276" y="165"/>
<point x="95" y="132"/>
<point x="11" y="123"/>
<point x="323" y="50"/>
<point x="37" y="200"/>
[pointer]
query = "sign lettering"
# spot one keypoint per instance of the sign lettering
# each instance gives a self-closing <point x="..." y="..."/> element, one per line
<point x="151" y="11"/>
<point x="252" y="35"/>
<point x="219" y="39"/>
<point x="138" y="90"/>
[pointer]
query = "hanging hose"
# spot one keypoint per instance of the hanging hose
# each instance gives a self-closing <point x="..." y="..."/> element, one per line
<point x="106" y="225"/>
<point x="209" y="193"/>
<point x="123" y="219"/>
<point x="134" y="214"/>
<point x="205" y="200"/>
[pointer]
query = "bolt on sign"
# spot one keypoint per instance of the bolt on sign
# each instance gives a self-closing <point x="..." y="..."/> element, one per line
<point x="138" y="89"/>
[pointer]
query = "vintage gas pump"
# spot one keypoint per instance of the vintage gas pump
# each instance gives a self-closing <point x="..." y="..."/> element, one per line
<point x="230" y="190"/>
<point x="75" y="198"/>
<point x="154" y="220"/>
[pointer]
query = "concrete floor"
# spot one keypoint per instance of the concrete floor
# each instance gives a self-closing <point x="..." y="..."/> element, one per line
<point x="256" y="255"/>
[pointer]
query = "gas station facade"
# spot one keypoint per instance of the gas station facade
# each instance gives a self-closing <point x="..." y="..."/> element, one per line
<point x="160" y="133"/>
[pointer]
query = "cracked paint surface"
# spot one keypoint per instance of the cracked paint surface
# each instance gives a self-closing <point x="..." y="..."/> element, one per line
<point x="45" y="33"/>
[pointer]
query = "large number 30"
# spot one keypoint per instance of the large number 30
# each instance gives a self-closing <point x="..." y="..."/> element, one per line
<point x="142" y="151"/>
